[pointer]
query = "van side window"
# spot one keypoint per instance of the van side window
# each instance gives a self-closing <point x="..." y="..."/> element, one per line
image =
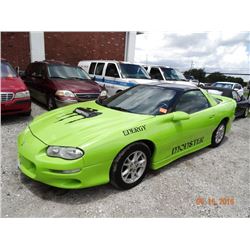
<point x="99" y="69"/>
<point x="156" y="74"/>
<point x="111" y="70"/>
<point x="92" y="68"/>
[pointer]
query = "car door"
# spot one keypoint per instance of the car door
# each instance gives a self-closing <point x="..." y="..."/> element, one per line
<point x="195" y="132"/>
<point x="111" y="78"/>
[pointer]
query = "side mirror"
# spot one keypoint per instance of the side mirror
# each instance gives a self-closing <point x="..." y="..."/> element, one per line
<point x="179" y="116"/>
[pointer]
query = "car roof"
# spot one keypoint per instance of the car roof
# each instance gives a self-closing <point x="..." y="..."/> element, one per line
<point x="111" y="61"/>
<point x="53" y="62"/>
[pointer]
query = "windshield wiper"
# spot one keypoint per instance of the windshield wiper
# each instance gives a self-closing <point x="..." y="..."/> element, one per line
<point x="76" y="78"/>
<point x="118" y="108"/>
<point x="58" y="77"/>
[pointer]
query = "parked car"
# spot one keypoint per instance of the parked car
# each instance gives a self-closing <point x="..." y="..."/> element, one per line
<point x="116" y="75"/>
<point x="57" y="84"/>
<point x="230" y="85"/>
<point x="118" y="139"/>
<point x="167" y="75"/>
<point x="243" y="104"/>
<point x="15" y="97"/>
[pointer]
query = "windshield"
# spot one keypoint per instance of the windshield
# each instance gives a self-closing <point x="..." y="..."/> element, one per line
<point x="142" y="100"/>
<point x="172" y="74"/>
<point x="67" y="72"/>
<point x="223" y="85"/>
<point x="133" y="71"/>
<point x="7" y="70"/>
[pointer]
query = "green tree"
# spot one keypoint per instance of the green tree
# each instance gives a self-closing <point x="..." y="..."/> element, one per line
<point x="198" y="74"/>
<point x="215" y="77"/>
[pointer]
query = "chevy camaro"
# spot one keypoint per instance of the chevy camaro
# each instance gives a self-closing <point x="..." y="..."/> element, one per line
<point x="118" y="139"/>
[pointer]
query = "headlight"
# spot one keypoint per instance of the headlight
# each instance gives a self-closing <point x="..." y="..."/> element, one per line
<point x="103" y="93"/>
<point x="68" y="153"/>
<point x="22" y="94"/>
<point x="66" y="93"/>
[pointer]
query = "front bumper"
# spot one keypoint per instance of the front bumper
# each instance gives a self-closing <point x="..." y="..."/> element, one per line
<point x="62" y="103"/>
<point x="16" y="106"/>
<point x="34" y="163"/>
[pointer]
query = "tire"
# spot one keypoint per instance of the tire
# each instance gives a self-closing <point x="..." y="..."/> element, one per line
<point x="130" y="166"/>
<point x="245" y="113"/>
<point x="218" y="134"/>
<point x="27" y="113"/>
<point x="51" y="103"/>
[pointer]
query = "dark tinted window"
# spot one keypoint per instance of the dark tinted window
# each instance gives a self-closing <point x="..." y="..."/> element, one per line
<point x="142" y="99"/>
<point x="92" y="68"/>
<point x="192" y="101"/>
<point x="99" y="68"/>
<point x="156" y="74"/>
<point x="34" y="70"/>
<point x="111" y="70"/>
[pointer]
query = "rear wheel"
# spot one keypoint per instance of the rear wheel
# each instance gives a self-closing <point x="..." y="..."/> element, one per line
<point x="130" y="166"/>
<point x="219" y="134"/>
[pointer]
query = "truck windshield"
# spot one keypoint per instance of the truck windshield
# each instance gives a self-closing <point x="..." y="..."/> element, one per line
<point x="7" y="70"/>
<point x="133" y="71"/>
<point x="142" y="99"/>
<point x="172" y="74"/>
<point x="67" y="72"/>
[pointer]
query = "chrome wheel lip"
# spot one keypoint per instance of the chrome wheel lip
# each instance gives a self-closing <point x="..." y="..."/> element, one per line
<point x="134" y="167"/>
<point x="220" y="133"/>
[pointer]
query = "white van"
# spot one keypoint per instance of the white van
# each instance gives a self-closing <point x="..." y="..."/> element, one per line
<point x="167" y="75"/>
<point x="115" y="76"/>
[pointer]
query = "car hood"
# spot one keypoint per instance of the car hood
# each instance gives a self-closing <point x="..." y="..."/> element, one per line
<point x="12" y="84"/>
<point x="65" y="128"/>
<point x="77" y="86"/>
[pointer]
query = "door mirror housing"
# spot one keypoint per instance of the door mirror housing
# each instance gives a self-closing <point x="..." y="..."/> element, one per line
<point x="179" y="116"/>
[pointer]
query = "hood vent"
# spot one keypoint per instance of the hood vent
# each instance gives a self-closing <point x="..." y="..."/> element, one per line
<point x="84" y="112"/>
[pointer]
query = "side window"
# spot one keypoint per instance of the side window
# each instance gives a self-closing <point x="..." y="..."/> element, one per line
<point x="43" y="70"/>
<point x="99" y="69"/>
<point x="35" y="70"/>
<point x="92" y="68"/>
<point x="192" y="101"/>
<point x="156" y="74"/>
<point x="111" y="70"/>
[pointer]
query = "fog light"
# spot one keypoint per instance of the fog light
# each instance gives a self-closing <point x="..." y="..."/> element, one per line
<point x="71" y="171"/>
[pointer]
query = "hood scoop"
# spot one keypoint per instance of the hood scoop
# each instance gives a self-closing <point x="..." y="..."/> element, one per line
<point x="83" y="112"/>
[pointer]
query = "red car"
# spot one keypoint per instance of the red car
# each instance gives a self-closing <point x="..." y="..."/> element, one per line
<point x="56" y="84"/>
<point x="15" y="97"/>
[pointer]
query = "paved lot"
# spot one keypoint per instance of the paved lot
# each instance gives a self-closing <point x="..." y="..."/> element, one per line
<point x="171" y="192"/>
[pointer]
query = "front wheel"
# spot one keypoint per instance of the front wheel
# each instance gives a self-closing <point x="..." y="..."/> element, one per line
<point x="130" y="166"/>
<point x="218" y="134"/>
<point x="51" y="103"/>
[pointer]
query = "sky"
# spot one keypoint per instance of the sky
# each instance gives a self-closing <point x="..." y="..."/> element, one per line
<point x="213" y="51"/>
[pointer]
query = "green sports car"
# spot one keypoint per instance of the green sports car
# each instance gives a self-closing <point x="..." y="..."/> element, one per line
<point x="119" y="138"/>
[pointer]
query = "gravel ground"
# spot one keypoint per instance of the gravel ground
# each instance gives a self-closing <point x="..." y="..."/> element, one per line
<point x="170" y="192"/>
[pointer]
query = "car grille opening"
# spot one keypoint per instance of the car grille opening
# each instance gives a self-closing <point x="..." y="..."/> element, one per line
<point x="6" y="96"/>
<point x="87" y="96"/>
